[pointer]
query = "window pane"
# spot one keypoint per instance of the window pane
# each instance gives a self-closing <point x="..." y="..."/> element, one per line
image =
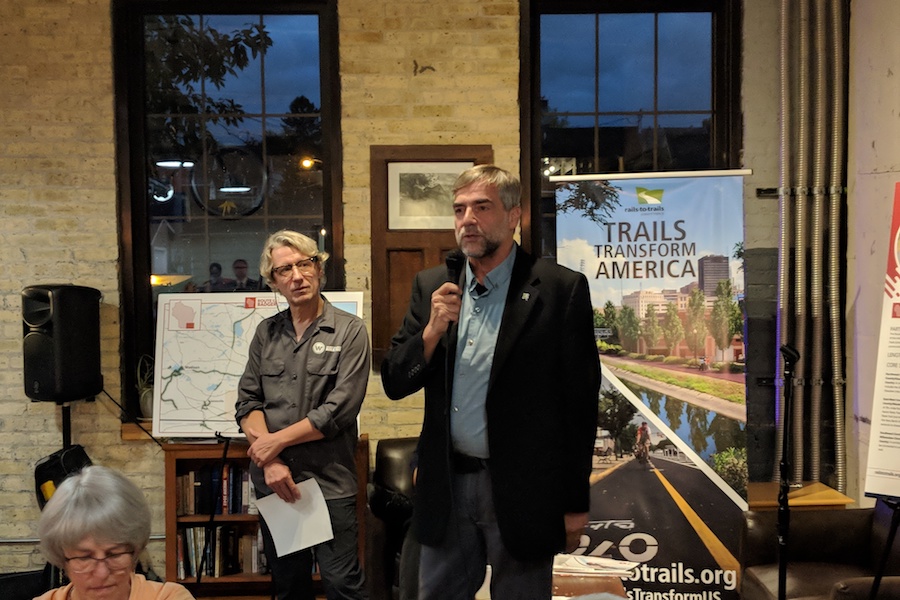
<point x="684" y="142"/>
<point x="685" y="61"/>
<point x="650" y="65"/>
<point x="293" y="189"/>
<point x="292" y="62"/>
<point x="173" y="148"/>
<point x="227" y="105"/>
<point x="567" y="62"/>
<point x="308" y="227"/>
<point x="179" y="248"/>
<point x="229" y="180"/>
<point x="233" y="85"/>
<point x="201" y="247"/>
<point x="233" y="240"/>
<point x="294" y="150"/>
<point x="626" y="62"/>
<point x="214" y="178"/>
<point x="172" y="70"/>
<point x="568" y="140"/>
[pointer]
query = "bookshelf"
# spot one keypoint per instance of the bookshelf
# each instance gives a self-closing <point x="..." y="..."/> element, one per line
<point x="234" y="527"/>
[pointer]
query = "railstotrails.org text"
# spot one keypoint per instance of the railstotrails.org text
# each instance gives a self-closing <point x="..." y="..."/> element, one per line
<point x="677" y="573"/>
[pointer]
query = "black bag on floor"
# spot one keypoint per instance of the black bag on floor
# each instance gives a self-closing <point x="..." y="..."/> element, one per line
<point x="50" y="471"/>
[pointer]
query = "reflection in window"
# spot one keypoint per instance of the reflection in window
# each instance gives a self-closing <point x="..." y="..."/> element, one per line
<point x="225" y="143"/>
<point x="626" y="92"/>
<point x="229" y="132"/>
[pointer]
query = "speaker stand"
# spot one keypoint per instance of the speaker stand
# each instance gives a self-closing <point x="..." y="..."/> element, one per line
<point x="66" y="425"/>
<point x="56" y="574"/>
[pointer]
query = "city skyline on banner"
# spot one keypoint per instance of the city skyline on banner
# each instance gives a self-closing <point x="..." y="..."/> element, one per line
<point x="654" y="235"/>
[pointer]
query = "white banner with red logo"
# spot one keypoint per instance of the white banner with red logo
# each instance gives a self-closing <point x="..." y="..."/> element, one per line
<point x="883" y="466"/>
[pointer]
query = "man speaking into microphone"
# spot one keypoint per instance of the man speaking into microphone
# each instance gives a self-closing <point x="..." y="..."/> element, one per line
<point x="503" y="345"/>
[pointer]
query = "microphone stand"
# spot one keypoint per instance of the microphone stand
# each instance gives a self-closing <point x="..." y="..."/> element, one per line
<point x="791" y="356"/>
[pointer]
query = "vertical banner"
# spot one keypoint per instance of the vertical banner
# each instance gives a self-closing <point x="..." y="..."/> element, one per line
<point x="663" y="256"/>
<point x="883" y="465"/>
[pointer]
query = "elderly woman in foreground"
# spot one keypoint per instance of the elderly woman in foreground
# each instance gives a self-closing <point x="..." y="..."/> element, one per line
<point x="94" y="527"/>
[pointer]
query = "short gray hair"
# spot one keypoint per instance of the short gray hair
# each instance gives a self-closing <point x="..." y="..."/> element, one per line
<point x="292" y="239"/>
<point x="96" y="502"/>
<point x="508" y="187"/>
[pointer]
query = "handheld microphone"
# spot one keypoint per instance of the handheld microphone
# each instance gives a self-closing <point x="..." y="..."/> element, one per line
<point x="455" y="261"/>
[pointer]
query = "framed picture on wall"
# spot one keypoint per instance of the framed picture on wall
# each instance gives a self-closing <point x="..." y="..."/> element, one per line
<point x="420" y="194"/>
<point x="421" y="234"/>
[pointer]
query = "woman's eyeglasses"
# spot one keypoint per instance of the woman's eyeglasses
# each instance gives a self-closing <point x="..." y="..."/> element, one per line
<point x="115" y="561"/>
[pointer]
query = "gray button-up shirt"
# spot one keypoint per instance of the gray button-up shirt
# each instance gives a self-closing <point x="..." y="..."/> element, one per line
<point x="322" y="377"/>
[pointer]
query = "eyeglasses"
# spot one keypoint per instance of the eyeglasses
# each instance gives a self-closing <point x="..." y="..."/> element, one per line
<point x="116" y="561"/>
<point x="307" y="266"/>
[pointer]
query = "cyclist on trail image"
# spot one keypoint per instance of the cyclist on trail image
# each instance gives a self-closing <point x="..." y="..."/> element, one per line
<point x="642" y="446"/>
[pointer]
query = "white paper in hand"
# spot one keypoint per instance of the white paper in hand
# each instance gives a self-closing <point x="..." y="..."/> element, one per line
<point x="297" y="525"/>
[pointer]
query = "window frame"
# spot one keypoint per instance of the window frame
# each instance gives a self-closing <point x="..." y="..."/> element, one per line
<point x="726" y="124"/>
<point x="136" y="338"/>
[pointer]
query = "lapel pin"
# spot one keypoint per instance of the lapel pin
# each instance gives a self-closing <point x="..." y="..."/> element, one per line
<point x="526" y="296"/>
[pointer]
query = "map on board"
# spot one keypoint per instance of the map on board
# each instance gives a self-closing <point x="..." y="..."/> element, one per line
<point x="202" y="341"/>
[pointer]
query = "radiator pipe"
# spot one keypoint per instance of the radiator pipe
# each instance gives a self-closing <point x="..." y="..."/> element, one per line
<point x="817" y="262"/>
<point x="835" y="191"/>
<point x="784" y="221"/>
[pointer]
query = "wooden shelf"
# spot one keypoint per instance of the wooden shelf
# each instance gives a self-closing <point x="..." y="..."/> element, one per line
<point x="204" y="519"/>
<point x="184" y="457"/>
<point x="181" y="458"/>
<point x="226" y="580"/>
<point x="810" y="495"/>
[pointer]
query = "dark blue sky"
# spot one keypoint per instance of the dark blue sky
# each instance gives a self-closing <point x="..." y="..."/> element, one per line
<point x="626" y="51"/>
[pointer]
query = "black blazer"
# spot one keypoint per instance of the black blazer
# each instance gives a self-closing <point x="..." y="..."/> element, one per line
<point x="541" y="405"/>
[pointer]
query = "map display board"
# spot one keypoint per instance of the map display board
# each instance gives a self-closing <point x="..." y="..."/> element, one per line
<point x="202" y="343"/>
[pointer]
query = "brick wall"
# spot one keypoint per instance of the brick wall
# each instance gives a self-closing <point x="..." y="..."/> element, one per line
<point x="420" y="72"/>
<point x="57" y="225"/>
<point x="413" y="72"/>
<point x="436" y="72"/>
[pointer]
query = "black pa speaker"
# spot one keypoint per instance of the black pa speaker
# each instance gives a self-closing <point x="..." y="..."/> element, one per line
<point x="61" y="342"/>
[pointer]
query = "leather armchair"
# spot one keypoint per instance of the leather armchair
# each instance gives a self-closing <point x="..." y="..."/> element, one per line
<point x="832" y="554"/>
<point x="390" y="501"/>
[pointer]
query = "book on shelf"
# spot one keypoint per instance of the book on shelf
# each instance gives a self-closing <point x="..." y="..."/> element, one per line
<point x="190" y="483"/>
<point x="228" y="551"/>
<point x="252" y="509"/>
<point x="184" y="494"/>
<point x="214" y="497"/>
<point x="179" y="554"/>
<point x="231" y="555"/>
<point x="262" y="566"/>
<point x="202" y="488"/>
<point x="245" y="491"/>
<point x="217" y="553"/>
<point x="247" y="547"/>
<point x="190" y="563"/>
<point x="225" y="492"/>
<point x="209" y="488"/>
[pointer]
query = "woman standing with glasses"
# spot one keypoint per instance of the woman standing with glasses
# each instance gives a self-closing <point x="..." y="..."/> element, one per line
<point x="93" y="528"/>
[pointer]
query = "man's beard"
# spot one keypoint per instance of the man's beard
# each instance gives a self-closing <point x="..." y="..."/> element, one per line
<point x="483" y="248"/>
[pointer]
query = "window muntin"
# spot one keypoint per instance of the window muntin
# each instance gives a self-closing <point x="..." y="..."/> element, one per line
<point x="235" y="163"/>
<point x="626" y="92"/>
<point x="198" y="122"/>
